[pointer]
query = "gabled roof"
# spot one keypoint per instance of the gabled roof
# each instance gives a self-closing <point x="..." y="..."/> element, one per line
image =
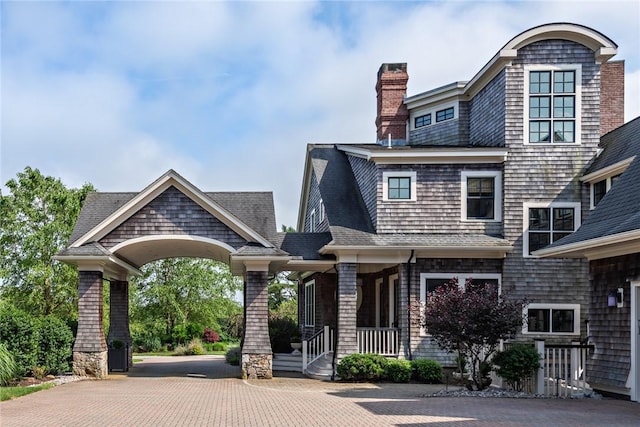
<point x="613" y="227"/>
<point x="251" y="215"/>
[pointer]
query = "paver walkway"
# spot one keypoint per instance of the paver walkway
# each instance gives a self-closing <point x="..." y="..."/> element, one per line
<point x="160" y="392"/>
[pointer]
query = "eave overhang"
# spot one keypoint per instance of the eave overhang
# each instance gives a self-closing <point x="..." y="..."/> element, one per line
<point x="428" y="156"/>
<point x="598" y="248"/>
<point x="400" y="254"/>
<point x="614" y="169"/>
<point x="110" y="265"/>
<point x="450" y="92"/>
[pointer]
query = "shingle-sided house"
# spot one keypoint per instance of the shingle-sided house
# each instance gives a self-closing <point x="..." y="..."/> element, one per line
<point x="610" y="239"/>
<point x="467" y="181"/>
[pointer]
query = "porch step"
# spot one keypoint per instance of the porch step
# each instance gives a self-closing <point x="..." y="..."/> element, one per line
<point x="287" y="362"/>
<point x="321" y="369"/>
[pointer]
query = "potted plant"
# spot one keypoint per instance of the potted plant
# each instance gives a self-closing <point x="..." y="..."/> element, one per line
<point x="118" y="359"/>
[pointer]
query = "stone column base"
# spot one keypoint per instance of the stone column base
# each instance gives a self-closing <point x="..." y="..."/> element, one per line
<point x="90" y="364"/>
<point x="257" y="366"/>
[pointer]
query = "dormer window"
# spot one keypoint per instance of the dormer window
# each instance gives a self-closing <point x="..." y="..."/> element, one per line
<point x="446" y="114"/>
<point x="553" y="101"/>
<point x="600" y="188"/>
<point x="420" y="121"/>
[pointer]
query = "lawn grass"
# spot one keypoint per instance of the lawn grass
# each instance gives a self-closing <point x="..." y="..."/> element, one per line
<point x="8" y="393"/>
<point x="171" y="353"/>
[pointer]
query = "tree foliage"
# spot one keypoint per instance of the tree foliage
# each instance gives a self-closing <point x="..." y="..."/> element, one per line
<point x="36" y="219"/>
<point x="177" y="293"/>
<point x="471" y="321"/>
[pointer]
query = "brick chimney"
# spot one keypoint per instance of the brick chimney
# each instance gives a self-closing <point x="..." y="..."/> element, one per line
<point x="392" y="114"/>
<point x="611" y="96"/>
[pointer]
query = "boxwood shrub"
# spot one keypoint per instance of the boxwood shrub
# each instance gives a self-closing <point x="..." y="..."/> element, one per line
<point x="399" y="371"/>
<point x="20" y="335"/>
<point x="362" y="367"/>
<point x="427" y="371"/>
<point x="55" y="341"/>
<point x="516" y="364"/>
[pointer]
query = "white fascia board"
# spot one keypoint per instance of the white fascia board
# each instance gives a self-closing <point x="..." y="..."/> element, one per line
<point x="490" y="71"/>
<point x="154" y="190"/>
<point x="461" y="156"/>
<point x="400" y="254"/>
<point x="614" y="169"/>
<point x="107" y="262"/>
<point x="308" y="265"/>
<point x="453" y="91"/>
<point x="304" y="192"/>
<point x="600" y="247"/>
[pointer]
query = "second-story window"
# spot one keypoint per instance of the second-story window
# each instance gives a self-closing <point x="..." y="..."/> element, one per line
<point x="312" y="221"/>
<point x="552" y="109"/>
<point x="399" y="186"/>
<point x="546" y="224"/>
<point x="600" y="188"/>
<point x="446" y="114"/>
<point x="481" y="195"/>
<point x="424" y="120"/>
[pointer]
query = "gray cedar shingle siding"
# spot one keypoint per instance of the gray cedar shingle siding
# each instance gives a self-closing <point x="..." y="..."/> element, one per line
<point x="487" y="113"/>
<point x="447" y="133"/>
<point x="365" y="173"/>
<point x="609" y="326"/>
<point x="544" y="173"/>
<point x="438" y="205"/>
<point x="172" y="213"/>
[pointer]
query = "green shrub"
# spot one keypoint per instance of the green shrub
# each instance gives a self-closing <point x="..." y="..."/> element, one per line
<point x="399" y="371"/>
<point x="20" y="335"/>
<point x="195" y="347"/>
<point x="8" y="366"/>
<point x="233" y="356"/>
<point x="182" y="334"/>
<point x="147" y="343"/>
<point x="516" y="364"/>
<point x="427" y="371"/>
<point x="362" y="367"/>
<point x="180" y="350"/>
<point x="219" y="346"/>
<point x="55" y="341"/>
<point x="281" y="330"/>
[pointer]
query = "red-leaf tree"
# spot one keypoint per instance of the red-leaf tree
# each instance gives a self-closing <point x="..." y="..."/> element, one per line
<point x="471" y="321"/>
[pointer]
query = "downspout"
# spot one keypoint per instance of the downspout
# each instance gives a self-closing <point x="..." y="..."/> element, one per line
<point x="409" y="303"/>
<point x="335" y="335"/>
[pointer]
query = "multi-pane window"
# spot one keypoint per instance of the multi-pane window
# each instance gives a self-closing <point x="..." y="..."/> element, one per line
<point x="309" y="303"/>
<point x="552" y="106"/>
<point x="548" y="224"/>
<point x="480" y="198"/>
<point x="399" y="188"/>
<point x="552" y="319"/>
<point x="421" y="121"/>
<point x="446" y="114"/>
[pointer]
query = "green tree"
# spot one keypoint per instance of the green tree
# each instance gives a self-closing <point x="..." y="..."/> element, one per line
<point x="36" y="219"/>
<point x="177" y="292"/>
<point x="471" y="322"/>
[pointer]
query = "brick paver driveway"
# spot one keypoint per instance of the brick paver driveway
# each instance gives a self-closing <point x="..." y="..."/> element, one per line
<point x="161" y="392"/>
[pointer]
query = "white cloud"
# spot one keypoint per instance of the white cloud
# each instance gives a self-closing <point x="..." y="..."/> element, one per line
<point x="229" y="94"/>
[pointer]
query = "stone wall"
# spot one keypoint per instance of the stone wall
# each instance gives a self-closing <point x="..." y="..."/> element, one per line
<point x="257" y="366"/>
<point x="90" y="364"/>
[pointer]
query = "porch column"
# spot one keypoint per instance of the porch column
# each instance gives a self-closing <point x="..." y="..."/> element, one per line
<point x="404" y="281"/>
<point x="347" y="338"/>
<point x="256" y="347"/>
<point x="119" y="316"/>
<point x="90" y="348"/>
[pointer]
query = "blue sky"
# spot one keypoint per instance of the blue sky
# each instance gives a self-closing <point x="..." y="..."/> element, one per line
<point x="229" y="94"/>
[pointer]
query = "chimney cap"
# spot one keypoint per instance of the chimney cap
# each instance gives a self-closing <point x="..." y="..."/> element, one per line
<point x="395" y="67"/>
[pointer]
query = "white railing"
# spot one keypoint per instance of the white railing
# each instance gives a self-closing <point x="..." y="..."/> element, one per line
<point x="563" y="371"/>
<point x="317" y="346"/>
<point x="382" y="341"/>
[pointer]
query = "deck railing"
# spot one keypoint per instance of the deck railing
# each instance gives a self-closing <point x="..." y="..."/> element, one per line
<point x="382" y="341"/>
<point x="317" y="346"/>
<point x="564" y="369"/>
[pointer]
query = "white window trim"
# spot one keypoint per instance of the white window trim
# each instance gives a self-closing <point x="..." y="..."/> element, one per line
<point x="312" y="221"/>
<point x="497" y="191"/>
<point x="462" y="278"/>
<point x="310" y="289"/>
<point x="320" y="211"/>
<point x="432" y="110"/>
<point x="525" y="219"/>
<point x="399" y="174"/>
<point x="576" y="317"/>
<point x="578" y="104"/>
